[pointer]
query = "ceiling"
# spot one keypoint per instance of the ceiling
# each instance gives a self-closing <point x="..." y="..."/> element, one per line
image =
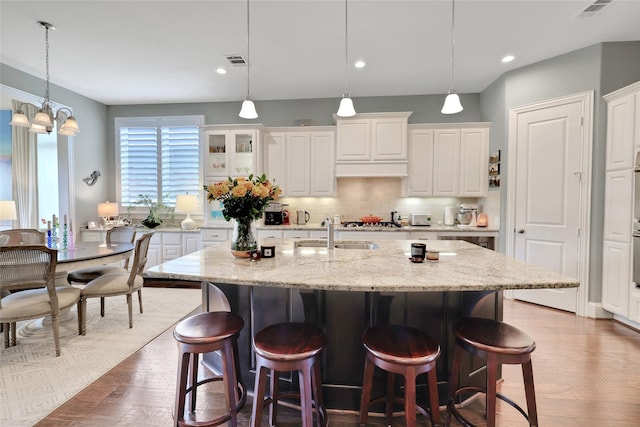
<point x="148" y="52"/>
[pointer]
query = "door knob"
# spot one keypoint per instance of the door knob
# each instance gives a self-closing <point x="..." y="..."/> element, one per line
<point x="520" y="231"/>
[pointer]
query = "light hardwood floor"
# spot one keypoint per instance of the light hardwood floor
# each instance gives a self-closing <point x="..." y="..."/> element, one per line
<point x="587" y="373"/>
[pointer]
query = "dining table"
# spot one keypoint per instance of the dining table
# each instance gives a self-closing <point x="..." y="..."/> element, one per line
<point x="88" y="254"/>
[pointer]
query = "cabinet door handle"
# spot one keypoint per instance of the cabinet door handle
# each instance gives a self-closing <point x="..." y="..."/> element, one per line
<point x="520" y="231"/>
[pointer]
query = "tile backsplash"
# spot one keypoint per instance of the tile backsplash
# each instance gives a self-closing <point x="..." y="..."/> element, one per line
<point x="357" y="197"/>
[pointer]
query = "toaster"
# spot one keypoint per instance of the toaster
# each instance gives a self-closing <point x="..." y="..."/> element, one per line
<point x="420" y="219"/>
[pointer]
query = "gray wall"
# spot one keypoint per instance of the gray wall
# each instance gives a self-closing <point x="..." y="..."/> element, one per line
<point x="601" y="68"/>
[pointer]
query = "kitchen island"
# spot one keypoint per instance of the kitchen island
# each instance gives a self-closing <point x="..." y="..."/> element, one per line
<point x="346" y="290"/>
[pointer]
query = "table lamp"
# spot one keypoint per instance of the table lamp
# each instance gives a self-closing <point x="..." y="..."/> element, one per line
<point x="187" y="203"/>
<point x="8" y="210"/>
<point x="108" y="211"/>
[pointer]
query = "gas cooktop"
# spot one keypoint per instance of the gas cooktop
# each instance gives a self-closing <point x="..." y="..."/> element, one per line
<point x="360" y="224"/>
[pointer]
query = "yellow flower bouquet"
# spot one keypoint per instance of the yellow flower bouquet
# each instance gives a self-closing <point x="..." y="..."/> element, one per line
<point x="244" y="200"/>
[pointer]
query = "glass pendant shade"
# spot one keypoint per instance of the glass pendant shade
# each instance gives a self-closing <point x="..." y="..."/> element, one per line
<point x="20" y="119"/>
<point x="248" y="110"/>
<point x="452" y="104"/>
<point x="66" y="132"/>
<point x="43" y="118"/>
<point x="70" y="125"/>
<point x="346" y="107"/>
<point x="37" y="128"/>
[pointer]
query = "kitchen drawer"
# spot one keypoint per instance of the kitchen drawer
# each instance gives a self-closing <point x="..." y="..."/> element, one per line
<point x="214" y="235"/>
<point x="172" y="239"/>
<point x="270" y="234"/>
<point x="295" y="234"/>
<point x="423" y="235"/>
<point x="171" y="252"/>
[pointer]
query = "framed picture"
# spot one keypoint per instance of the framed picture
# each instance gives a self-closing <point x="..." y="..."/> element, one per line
<point x="494" y="169"/>
<point x="494" y="181"/>
<point x="494" y="157"/>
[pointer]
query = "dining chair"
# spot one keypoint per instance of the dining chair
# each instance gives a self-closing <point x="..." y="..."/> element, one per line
<point x="119" y="283"/>
<point x="22" y="236"/>
<point x="31" y="267"/>
<point x="122" y="234"/>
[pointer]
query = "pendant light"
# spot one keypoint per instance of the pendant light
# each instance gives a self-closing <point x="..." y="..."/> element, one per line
<point x="44" y="118"/>
<point x="346" y="104"/>
<point x="248" y="110"/>
<point x="452" y="103"/>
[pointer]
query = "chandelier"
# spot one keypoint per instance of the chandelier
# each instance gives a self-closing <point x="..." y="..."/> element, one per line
<point x="44" y="118"/>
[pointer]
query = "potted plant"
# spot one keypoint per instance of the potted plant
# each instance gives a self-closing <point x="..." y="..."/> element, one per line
<point x="157" y="210"/>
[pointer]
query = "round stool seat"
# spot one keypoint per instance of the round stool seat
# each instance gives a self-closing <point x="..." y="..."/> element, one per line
<point x="494" y="336"/>
<point x="207" y="328"/>
<point x="400" y="344"/>
<point x="289" y="341"/>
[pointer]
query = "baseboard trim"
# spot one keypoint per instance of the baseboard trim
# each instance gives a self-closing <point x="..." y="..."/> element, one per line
<point x="596" y="311"/>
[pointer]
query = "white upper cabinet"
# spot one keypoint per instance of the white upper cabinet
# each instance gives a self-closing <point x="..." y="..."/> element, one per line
<point x="372" y="144"/>
<point x="420" y="179"/>
<point x="302" y="163"/>
<point x="448" y="160"/>
<point x="474" y="162"/>
<point x="621" y="120"/>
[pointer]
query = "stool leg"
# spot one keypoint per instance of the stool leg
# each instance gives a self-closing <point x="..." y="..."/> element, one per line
<point x="492" y="378"/>
<point x="194" y="381"/>
<point x="389" y="397"/>
<point x="181" y="385"/>
<point x="410" y="399"/>
<point x="230" y="381"/>
<point x="454" y="379"/>
<point x="304" y="374"/>
<point x="316" y="384"/>
<point x="274" y="386"/>
<point x="258" y="393"/>
<point x="527" y="374"/>
<point x="367" y="384"/>
<point x="434" y="402"/>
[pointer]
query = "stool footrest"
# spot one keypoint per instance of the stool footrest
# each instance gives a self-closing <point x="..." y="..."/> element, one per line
<point x="451" y="407"/>
<point x="397" y="399"/>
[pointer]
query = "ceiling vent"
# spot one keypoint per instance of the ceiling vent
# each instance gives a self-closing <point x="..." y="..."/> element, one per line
<point x="593" y="8"/>
<point x="238" y="60"/>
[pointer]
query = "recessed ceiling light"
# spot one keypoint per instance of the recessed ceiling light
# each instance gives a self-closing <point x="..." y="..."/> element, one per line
<point x="508" y="58"/>
<point x="360" y="64"/>
<point x="221" y="70"/>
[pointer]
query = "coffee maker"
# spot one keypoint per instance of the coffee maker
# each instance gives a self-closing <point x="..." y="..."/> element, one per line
<point x="273" y="214"/>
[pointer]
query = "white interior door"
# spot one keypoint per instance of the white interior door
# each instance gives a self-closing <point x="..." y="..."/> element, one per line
<point x="548" y="175"/>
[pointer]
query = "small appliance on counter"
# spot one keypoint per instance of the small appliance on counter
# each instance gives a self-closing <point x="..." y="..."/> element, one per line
<point x="467" y="215"/>
<point x="273" y="214"/>
<point x="423" y="219"/>
<point x="450" y="215"/>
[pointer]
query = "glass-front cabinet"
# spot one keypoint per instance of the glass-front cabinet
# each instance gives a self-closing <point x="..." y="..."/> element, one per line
<point x="230" y="153"/>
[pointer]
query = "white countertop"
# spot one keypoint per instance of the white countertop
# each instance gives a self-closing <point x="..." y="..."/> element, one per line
<point x="462" y="267"/>
<point x="316" y="227"/>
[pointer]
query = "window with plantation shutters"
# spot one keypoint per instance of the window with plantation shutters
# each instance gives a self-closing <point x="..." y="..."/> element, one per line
<point x="158" y="157"/>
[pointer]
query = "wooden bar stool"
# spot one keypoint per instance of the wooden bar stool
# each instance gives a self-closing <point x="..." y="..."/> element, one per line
<point x="498" y="343"/>
<point x="405" y="351"/>
<point x="204" y="333"/>
<point x="286" y="347"/>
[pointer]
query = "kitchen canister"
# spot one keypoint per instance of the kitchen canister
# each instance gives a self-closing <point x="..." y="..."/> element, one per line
<point x="418" y="250"/>
<point x="268" y="251"/>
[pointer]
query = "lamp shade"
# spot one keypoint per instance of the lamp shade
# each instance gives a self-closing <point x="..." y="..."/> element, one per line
<point x="186" y="203"/>
<point x="452" y="104"/>
<point x="8" y="210"/>
<point x="107" y="209"/>
<point x="346" y="107"/>
<point x="20" y="119"/>
<point x="248" y="110"/>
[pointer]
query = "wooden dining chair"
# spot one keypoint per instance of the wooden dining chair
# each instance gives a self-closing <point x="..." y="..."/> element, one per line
<point x="123" y="234"/>
<point x="22" y="236"/>
<point x="119" y="283"/>
<point x="31" y="267"/>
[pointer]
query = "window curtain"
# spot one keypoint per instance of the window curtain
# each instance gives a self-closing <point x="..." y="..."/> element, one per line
<point x="25" y="171"/>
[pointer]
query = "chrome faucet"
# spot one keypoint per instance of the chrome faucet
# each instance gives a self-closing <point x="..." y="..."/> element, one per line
<point x="329" y="223"/>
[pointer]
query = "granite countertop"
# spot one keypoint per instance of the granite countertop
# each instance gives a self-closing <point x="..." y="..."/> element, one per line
<point x="434" y="228"/>
<point x="462" y="267"/>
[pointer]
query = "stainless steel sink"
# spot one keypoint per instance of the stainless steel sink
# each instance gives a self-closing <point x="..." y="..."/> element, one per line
<point x="338" y="244"/>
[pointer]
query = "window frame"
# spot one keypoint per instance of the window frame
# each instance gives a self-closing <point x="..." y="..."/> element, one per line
<point x="156" y="122"/>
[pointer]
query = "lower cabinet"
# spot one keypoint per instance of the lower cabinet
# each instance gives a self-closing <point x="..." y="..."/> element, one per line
<point x="616" y="277"/>
<point x="214" y="236"/>
<point x="372" y="235"/>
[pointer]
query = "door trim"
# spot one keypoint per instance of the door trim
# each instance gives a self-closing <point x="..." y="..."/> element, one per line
<point x="586" y="99"/>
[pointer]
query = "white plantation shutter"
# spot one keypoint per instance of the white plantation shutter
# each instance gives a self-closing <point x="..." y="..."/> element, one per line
<point x="158" y="157"/>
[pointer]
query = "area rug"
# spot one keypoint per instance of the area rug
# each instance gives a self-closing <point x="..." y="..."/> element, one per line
<point x="33" y="382"/>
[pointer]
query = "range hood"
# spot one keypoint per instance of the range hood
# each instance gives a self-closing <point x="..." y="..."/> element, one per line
<point x="376" y="169"/>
